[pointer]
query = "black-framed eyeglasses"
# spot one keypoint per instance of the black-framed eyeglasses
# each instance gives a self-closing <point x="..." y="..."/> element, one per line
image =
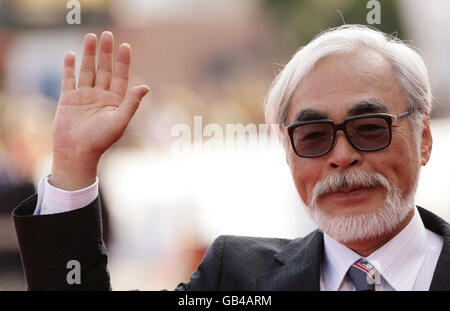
<point x="368" y="132"/>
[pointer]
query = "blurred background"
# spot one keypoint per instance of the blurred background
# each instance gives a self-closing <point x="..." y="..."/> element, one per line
<point x="208" y="58"/>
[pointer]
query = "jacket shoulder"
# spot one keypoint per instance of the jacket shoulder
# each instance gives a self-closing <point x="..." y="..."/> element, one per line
<point x="233" y="263"/>
<point x="250" y="248"/>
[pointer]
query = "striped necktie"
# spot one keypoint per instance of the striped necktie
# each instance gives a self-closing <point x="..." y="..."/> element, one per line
<point x="364" y="276"/>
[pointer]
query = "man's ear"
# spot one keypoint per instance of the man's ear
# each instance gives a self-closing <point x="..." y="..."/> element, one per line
<point x="427" y="141"/>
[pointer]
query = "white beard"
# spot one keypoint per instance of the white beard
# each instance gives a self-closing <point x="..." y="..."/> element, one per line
<point x="364" y="225"/>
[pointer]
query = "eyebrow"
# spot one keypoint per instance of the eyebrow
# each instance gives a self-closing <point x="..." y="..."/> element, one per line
<point x="370" y="105"/>
<point x="310" y="114"/>
<point x="367" y="106"/>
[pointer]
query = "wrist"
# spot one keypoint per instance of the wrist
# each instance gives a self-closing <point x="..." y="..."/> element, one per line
<point x="73" y="172"/>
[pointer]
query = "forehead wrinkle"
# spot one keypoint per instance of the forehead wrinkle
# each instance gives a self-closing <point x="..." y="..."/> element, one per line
<point x="377" y="72"/>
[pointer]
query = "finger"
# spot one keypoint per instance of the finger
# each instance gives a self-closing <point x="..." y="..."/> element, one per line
<point x="104" y="69"/>
<point x="119" y="82"/>
<point x="87" y="70"/>
<point x="131" y="103"/>
<point x="68" y="81"/>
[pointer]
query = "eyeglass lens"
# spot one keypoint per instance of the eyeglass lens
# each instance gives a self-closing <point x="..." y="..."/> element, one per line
<point x="365" y="134"/>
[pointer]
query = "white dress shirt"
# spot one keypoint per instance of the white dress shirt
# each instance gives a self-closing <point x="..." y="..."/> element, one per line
<point x="52" y="200"/>
<point x="406" y="262"/>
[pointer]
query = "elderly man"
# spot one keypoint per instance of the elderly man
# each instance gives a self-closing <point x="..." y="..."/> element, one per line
<point x="352" y="107"/>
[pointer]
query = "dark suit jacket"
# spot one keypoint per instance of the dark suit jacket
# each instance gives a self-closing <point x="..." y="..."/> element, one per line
<point x="48" y="242"/>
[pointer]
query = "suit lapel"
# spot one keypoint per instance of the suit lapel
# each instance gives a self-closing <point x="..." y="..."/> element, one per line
<point x="441" y="276"/>
<point x="296" y="267"/>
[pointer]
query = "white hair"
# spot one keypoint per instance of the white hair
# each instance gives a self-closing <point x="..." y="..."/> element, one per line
<point x="407" y="65"/>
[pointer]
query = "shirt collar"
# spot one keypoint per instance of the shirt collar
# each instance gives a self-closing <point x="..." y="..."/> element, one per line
<point x="398" y="261"/>
<point x="337" y="260"/>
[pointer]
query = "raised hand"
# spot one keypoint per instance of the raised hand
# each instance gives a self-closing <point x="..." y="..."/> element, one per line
<point x="94" y="115"/>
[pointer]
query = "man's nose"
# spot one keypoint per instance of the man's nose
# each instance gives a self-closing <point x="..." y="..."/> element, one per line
<point x="343" y="155"/>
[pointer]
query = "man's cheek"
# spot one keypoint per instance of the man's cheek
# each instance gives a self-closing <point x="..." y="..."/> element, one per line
<point x="303" y="189"/>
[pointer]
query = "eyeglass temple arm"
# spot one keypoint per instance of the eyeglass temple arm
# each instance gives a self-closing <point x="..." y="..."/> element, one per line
<point x="401" y="114"/>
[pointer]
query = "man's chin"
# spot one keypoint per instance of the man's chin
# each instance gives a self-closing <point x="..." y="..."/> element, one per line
<point x="333" y="210"/>
<point x="358" y="222"/>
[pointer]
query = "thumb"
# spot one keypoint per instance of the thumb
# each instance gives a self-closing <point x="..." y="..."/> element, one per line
<point x="131" y="102"/>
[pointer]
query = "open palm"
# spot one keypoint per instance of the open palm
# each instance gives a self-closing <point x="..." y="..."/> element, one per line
<point x="94" y="115"/>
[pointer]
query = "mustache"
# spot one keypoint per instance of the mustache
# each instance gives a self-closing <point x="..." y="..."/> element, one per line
<point x="349" y="179"/>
